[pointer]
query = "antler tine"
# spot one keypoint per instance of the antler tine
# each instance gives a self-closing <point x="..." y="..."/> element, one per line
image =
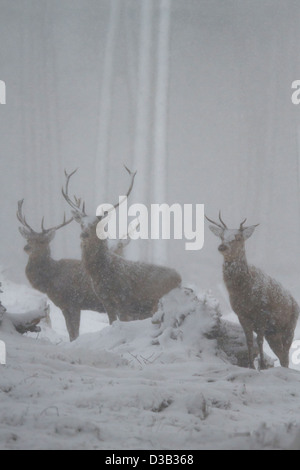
<point x="21" y="218"/>
<point x="57" y="227"/>
<point x="68" y="177"/>
<point x="242" y="223"/>
<point x="212" y="222"/>
<point x="23" y="221"/>
<point x="77" y="201"/>
<point x="65" y="222"/>
<point x="223" y="223"/>
<point x="133" y="175"/>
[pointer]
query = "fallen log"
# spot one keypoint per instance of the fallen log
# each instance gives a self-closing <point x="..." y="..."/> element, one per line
<point x="26" y="322"/>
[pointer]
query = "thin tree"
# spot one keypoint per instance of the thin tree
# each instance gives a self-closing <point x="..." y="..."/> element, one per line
<point x="159" y="175"/>
<point x="143" y="111"/>
<point x="106" y="96"/>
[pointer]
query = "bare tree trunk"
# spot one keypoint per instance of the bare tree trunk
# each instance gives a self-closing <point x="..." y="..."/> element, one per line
<point x="131" y="62"/>
<point x="159" y="175"/>
<point x="143" y="121"/>
<point x="102" y="154"/>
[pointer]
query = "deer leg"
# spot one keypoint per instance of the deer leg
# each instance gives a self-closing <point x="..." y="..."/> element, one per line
<point x="112" y="317"/>
<point x="287" y="341"/>
<point x="155" y="307"/>
<point x="260" y="342"/>
<point x="276" y="344"/>
<point x="285" y="360"/>
<point x="248" y="330"/>
<point x="72" y="317"/>
<point x="111" y="311"/>
<point x="250" y="342"/>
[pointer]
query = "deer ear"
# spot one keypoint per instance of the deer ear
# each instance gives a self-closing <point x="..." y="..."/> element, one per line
<point x="218" y="231"/>
<point x="248" y="231"/>
<point x="77" y="217"/>
<point x="50" y="235"/>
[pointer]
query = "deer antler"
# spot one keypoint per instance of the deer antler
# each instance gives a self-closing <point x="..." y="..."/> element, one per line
<point x="220" y="218"/>
<point x="21" y="217"/>
<point x="79" y="206"/>
<point x="212" y="222"/>
<point x="23" y="221"/>
<point x="223" y="226"/>
<point x="57" y="227"/>
<point x="242" y="223"/>
<point x="77" y="203"/>
<point x="242" y="228"/>
<point x="133" y="175"/>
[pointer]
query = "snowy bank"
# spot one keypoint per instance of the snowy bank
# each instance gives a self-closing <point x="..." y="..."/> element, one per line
<point x="160" y="384"/>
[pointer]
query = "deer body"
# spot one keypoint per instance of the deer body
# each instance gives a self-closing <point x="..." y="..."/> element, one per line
<point x="65" y="282"/>
<point x="129" y="290"/>
<point x="262" y="305"/>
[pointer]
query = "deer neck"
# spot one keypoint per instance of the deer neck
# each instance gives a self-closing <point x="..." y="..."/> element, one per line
<point x="236" y="271"/>
<point x="96" y="257"/>
<point x="40" y="270"/>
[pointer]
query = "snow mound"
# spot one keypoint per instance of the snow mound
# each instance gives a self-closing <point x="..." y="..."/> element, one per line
<point x="161" y="383"/>
<point x="180" y="330"/>
<point x="188" y="318"/>
<point x="19" y="298"/>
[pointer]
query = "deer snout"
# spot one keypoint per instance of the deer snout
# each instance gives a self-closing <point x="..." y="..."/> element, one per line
<point x="84" y="235"/>
<point x="222" y="247"/>
<point x="27" y="248"/>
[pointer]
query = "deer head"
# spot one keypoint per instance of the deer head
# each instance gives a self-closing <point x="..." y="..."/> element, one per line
<point x="233" y="240"/>
<point x="37" y="242"/>
<point x="88" y="223"/>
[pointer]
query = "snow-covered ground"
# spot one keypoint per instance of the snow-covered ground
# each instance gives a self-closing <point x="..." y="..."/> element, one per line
<point x="157" y="384"/>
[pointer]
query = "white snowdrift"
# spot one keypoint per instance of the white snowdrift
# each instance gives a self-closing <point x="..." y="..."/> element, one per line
<point x="176" y="333"/>
<point x="142" y="385"/>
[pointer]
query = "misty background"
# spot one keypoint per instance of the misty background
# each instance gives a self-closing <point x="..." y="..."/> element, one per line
<point x="194" y="94"/>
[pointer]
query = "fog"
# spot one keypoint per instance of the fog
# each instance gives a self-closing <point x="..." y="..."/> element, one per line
<point x="202" y="111"/>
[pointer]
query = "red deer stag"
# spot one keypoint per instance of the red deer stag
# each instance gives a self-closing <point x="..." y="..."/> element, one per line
<point x="65" y="282"/>
<point x="129" y="290"/>
<point x="262" y="305"/>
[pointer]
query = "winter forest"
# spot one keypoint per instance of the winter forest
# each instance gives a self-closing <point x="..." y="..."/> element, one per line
<point x="145" y="345"/>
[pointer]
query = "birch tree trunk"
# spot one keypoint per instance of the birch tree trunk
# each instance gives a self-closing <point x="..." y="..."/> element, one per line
<point x="159" y="174"/>
<point x="143" y="121"/>
<point x="105" y="112"/>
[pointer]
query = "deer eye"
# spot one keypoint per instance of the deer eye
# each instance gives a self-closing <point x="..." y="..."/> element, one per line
<point x="239" y="237"/>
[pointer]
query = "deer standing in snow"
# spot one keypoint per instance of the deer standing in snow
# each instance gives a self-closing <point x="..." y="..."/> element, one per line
<point x="65" y="282"/>
<point x="262" y="305"/>
<point x="129" y="290"/>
